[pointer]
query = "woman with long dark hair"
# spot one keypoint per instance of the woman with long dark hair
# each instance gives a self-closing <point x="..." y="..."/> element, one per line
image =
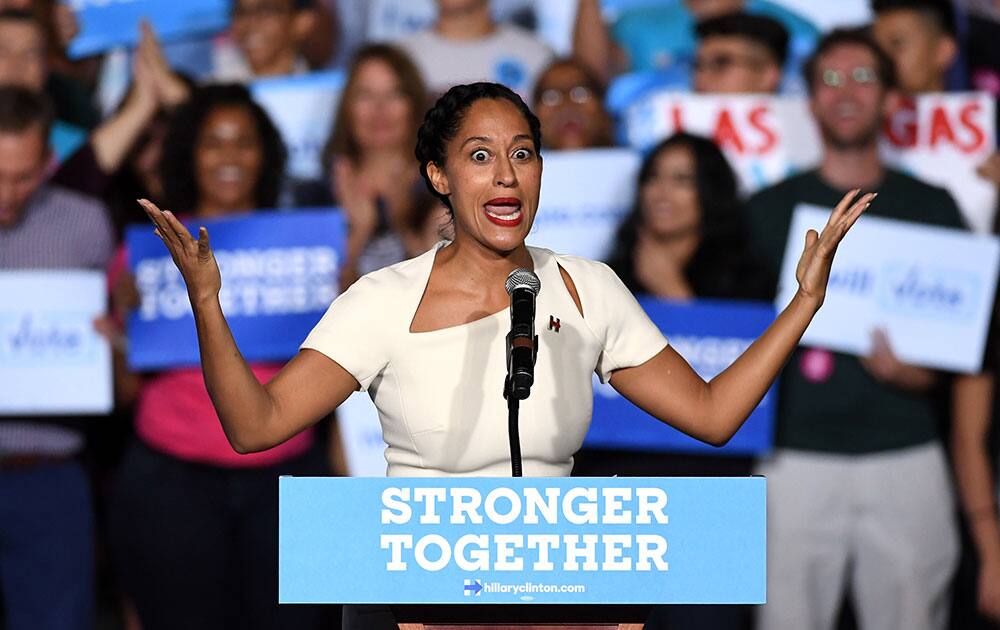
<point x="194" y="523"/>
<point x="426" y="337"/>
<point x="684" y="238"/>
<point x="686" y="234"/>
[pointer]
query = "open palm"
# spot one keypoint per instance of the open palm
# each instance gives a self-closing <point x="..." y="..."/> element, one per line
<point x="813" y="270"/>
<point x="194" y="258"/>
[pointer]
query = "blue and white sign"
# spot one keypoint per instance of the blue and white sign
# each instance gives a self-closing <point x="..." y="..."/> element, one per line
<point x="525" y="540"/>
<point x="585" y="195"/>
<point x="930" y="288"/>
<point x="52" y="360"/>
<point x="302" y="108"/>
<point x="279" y="275"/>
<point x="106" y="24"/>
<point x="710" y="335"/>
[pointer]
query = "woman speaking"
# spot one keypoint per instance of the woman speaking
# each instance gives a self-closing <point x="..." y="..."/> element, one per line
<point x="426" y="337"/>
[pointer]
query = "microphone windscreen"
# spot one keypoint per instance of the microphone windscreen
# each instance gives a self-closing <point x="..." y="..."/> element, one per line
<point x="522" y="278"/>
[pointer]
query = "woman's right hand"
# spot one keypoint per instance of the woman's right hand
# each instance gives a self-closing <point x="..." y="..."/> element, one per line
<point x="357" y="197"/>
<point x="194" y="258"/>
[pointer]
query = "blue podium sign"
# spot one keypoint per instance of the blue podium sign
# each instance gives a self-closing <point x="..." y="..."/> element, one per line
<point x="279" y="275"/>
<point x="710" y="335"/>
<point x="525" y="540"/>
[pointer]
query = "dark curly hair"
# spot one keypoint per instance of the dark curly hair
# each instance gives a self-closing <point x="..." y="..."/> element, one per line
<point x="721" y="266"/>
<point x="177" y="165"/>
<point x="442" y="121"/>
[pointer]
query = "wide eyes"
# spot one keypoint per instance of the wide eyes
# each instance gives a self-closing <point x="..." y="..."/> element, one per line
<point x="482" y="155"/>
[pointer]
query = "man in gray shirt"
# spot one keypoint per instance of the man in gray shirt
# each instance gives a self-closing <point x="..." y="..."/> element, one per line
<point x="46" y="516"/>
<point x="465" y="45"/>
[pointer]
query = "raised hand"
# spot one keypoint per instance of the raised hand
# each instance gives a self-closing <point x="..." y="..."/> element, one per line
<point x="171" y="90"/>
<point x="194" y="258"/>
<point x="813" y="270"/>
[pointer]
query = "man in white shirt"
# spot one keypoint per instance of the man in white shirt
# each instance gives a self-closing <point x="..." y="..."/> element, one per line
<point x="465" y="45"/>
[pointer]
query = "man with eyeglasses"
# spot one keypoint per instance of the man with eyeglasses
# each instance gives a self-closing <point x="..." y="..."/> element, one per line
<point x="569" y="103"/>
<point x="739" y="53"/>
<point x="660" y="36"/>
<point x="859" y="494"/>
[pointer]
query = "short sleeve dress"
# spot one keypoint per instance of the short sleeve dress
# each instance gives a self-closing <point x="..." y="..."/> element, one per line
<point x="439" y="394"/>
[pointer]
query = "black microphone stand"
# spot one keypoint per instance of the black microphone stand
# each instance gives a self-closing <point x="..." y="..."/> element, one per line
<point x="512" y="429"/>
<point x="514" y="395"/>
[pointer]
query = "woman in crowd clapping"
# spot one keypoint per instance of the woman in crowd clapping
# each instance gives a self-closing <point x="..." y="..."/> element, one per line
<point x="369" y="159"/>
<point x="194" y="523"/>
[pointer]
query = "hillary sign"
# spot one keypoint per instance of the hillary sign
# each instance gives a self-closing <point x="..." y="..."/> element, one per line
<point x="52" y="360"/>
<point x="279" y="275"/>
<point x="930" y="288"/>
<point x="545" y="541"/>
<point x="710" y="335"/>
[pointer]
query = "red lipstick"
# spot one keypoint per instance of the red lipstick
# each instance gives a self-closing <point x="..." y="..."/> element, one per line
<point x="504" y="211"/>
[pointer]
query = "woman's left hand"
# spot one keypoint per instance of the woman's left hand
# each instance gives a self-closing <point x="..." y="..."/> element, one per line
<point x="813" y="271"/>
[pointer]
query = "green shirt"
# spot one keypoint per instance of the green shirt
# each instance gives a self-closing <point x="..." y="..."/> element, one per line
<point x="828" y="401"/>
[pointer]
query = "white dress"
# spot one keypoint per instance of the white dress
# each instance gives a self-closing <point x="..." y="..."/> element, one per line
<point x="439" y="394"/>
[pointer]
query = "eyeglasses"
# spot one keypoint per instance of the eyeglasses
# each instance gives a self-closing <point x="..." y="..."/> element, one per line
<point x="724" y="61"/>
<point x="861" y="75"/>
<point x="578" y="94"/>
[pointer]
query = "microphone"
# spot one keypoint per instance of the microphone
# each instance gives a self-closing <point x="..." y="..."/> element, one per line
<point x="522" y="344"/>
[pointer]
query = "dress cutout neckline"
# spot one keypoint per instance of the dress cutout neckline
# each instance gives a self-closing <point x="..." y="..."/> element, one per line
<point x="432" y="256"/>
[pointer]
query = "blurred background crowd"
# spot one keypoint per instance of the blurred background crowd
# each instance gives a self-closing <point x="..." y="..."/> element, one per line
<point x="882" y="484"/>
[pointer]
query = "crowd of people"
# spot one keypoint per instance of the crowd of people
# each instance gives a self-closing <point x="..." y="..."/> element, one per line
<point x="882" y="493"/>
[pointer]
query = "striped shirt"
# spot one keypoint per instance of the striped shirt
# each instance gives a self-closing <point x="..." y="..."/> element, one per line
<point x="58" y="229"/>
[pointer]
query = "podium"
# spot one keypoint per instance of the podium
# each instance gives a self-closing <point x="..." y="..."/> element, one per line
<point x="576" y="553"/>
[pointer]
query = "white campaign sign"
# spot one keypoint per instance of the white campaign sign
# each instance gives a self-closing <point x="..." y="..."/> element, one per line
<point x="930" y="288"/>
<point x="52" y="361"/>
<point x="302" y="108"/>
<point x="939" y="138"/>
<point x="766" y="138"/>
<point x="585" y="194"/>
<point x="361" y="435"/>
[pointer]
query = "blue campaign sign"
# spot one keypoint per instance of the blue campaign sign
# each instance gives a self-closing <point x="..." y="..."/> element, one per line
<point x="526" y="540"/>
<point x="108" y="24"/>
<point x="279" y="275"/>
<point x="710" y="335"/>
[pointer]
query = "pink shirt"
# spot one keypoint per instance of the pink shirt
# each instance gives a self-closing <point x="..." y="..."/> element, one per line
<point x="175" y="415"/>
